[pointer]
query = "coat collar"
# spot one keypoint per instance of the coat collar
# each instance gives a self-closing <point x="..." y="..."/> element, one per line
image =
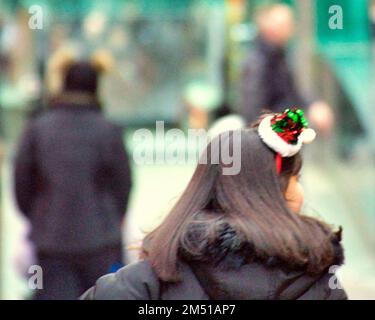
<point x="232" y="250"/>
<point x="226" y="273"/>
<point x="75" y="100"/>
<point x="269" y="49"/>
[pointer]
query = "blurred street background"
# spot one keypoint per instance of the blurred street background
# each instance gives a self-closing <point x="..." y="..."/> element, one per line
<point x="180" y="61"/>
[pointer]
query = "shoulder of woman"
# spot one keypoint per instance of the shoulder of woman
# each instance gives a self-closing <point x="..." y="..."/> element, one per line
<point x="337" y="247"/>
<point x="136" y="281"/>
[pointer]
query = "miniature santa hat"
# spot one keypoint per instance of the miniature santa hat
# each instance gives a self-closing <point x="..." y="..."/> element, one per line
<point x="286" y="132"/>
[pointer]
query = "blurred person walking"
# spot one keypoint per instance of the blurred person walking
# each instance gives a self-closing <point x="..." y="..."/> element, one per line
<point x="72" y="180"/>
<point x="267" y="79"/>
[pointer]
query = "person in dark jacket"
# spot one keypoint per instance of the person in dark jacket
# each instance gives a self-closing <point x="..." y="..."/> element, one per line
<point x="237" y="236"/>
<point x="267" y="81"/>
<point x="72" y="180"/>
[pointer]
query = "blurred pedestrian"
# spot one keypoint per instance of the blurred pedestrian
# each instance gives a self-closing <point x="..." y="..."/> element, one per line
<point x="72" y="180"/>
<point x="267" y="80"/>
<point x="239" y="236"/>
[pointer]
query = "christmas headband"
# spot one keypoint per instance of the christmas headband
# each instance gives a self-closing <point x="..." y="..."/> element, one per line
<point x="285" y="133"/>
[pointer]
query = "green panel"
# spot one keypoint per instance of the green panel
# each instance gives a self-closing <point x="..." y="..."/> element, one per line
<point x="113" y="7"/>
<point x="67" y="6"/>
<point x="355" y="21"/>
<point x="354" y="70"/>
<point x="348" y="53"/>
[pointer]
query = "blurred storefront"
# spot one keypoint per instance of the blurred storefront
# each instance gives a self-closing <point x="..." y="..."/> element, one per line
<point x="162" y="48"/>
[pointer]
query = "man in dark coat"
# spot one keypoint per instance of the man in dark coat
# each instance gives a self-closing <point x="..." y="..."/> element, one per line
<point x="72" y="180"/>
<point x="267" y="81"/>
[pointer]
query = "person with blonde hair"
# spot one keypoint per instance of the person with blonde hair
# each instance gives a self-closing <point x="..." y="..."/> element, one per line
<point x="72" y="180"/>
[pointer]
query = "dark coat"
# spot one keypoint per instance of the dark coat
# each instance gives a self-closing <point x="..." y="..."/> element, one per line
<point x="226" y="276"/>
<point x="72" y="179"/>
<point x="267" y="82"/>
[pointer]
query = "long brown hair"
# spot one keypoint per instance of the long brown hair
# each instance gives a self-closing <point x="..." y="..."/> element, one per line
<point x="252" y="201"/>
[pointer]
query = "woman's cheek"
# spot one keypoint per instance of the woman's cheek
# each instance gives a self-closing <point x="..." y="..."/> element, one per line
<point x="300" y="197"/>
<point x="295" y="196"/>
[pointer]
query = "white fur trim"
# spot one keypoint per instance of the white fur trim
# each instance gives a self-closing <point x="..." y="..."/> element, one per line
<point x="307" y="135"/>
<point x="274" y="141"/>
<point x="226" y="123"/>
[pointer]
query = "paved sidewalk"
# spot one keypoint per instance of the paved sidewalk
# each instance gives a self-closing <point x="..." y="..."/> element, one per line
<point x="325" y="199"/>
